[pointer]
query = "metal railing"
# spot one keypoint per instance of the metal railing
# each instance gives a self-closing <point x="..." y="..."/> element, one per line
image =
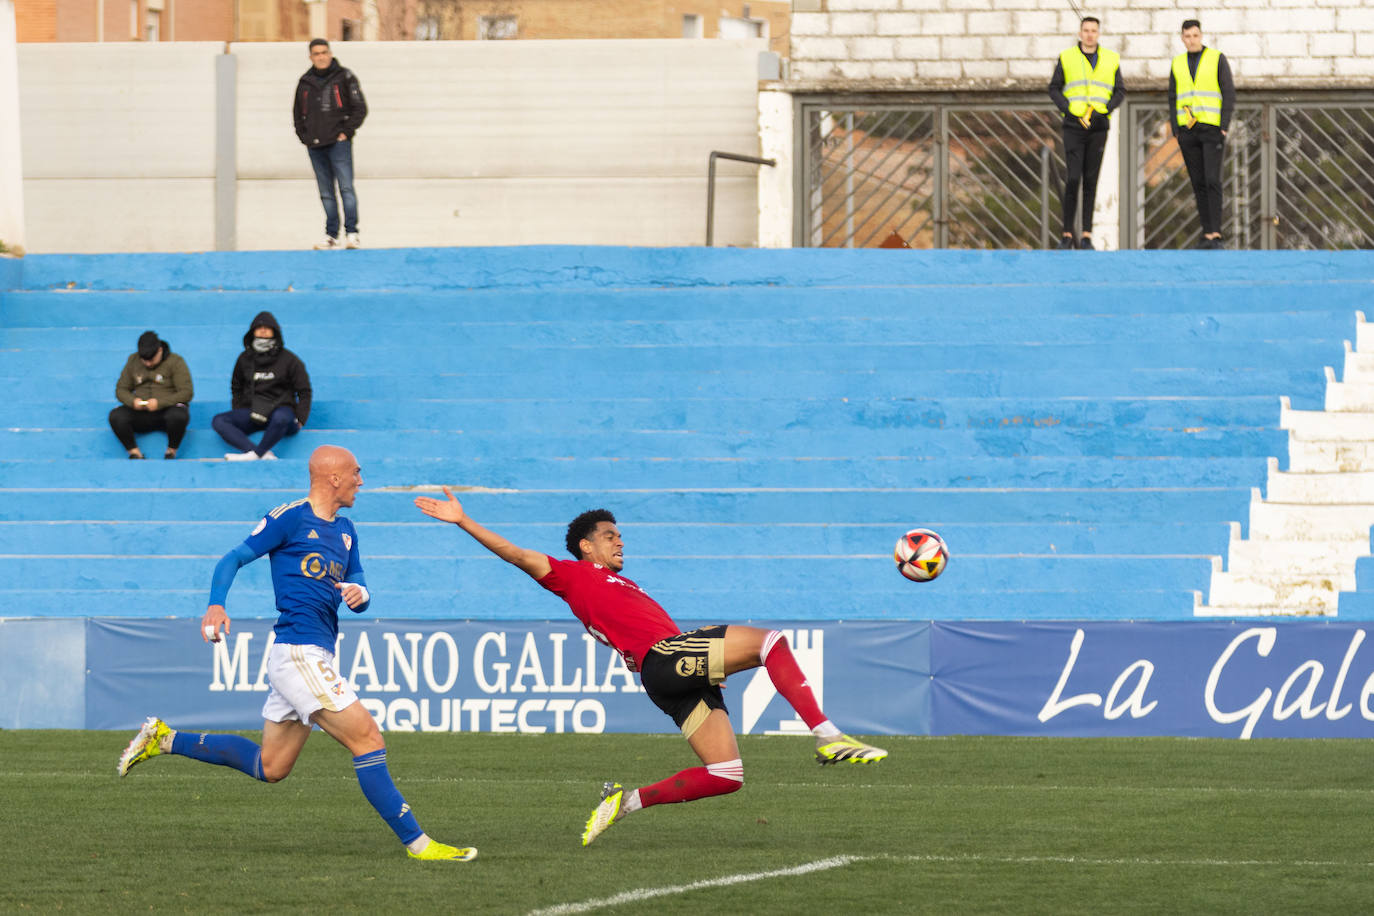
<point x="986" y="171"/>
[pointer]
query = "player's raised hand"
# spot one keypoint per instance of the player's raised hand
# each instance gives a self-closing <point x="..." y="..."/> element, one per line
<point x="210" y="624"/>
<point x="445" y="511"/>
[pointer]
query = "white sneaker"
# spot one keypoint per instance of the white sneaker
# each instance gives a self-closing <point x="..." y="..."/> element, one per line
<point x="328" y="243"/>
<point x="240" y="456"/>
<point x="352" y="241"/>
<point x="269" y="456"/>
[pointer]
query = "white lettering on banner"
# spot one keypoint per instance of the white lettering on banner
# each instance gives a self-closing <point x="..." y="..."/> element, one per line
<point x="408" y="663"/>
<point x="808" y="647"/>
<point x="1305" y="703"/>
<point x="1134" y="704"/>
<point x="529" y="666"/>
<point x="479" y="663"/>
<point x="534" y="716"/>
<point x="1251" y="713"/>
<point x="452" y="662"/>
<point x="1332" y="711"/>
<point x="418" y="663"/>
<point x="363" y="663"/>
<point x="228" y="667"/>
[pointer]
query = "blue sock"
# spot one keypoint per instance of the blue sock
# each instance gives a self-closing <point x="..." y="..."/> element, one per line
<point x="375" y="780"/>
<point x="221" y="750"/>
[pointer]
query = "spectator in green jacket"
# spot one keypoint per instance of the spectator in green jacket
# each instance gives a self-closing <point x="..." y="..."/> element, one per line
<point x="153" y="391"/>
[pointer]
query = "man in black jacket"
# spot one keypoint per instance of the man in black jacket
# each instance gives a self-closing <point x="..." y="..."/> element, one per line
<point x="329" y="108"/>
<point x="270" y="389"/>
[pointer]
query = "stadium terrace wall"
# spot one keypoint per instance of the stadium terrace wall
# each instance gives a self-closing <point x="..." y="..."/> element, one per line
<point x="1225" y="679"/>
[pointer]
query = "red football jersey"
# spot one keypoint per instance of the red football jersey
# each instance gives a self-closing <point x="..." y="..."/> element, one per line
<point x="616" y="611"/>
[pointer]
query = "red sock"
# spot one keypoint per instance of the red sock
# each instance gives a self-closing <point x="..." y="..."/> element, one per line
<point x="698" y="782"/>
<point x="787" y="676"/>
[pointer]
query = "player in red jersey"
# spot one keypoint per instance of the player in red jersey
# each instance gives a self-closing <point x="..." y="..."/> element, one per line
<point x="681" y="672"/>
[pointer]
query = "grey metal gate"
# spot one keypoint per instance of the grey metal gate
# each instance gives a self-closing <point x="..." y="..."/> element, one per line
<point x="981" y="171"/>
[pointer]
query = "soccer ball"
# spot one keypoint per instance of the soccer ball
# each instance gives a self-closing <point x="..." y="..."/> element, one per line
<point x="921" y="555"/>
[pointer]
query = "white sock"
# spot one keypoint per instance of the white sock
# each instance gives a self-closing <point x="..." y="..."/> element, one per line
<point x="419" y="844"/>
<point x="630" y="803"/>
<point x="827" y="729"/>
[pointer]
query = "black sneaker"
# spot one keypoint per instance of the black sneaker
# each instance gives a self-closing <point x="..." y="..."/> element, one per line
<point x="1066" y="243"/>
<point x="1086" y="244"/>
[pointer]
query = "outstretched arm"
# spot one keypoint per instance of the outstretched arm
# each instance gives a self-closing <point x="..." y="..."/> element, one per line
<point x="532" y="562"/>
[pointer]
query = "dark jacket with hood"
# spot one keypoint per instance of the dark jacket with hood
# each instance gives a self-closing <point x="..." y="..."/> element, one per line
<point x="169" y="382"/>
<point x="263" y="381"/>
<point x="328" y="103"/>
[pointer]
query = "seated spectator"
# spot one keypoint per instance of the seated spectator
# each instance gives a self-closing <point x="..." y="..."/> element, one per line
<point x="270" y="391"/>
<point x="153" y="391"/>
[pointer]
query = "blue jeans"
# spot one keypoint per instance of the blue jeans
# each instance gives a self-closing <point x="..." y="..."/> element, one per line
<point x="234" y="426"/>
<point x="334" y="163"/>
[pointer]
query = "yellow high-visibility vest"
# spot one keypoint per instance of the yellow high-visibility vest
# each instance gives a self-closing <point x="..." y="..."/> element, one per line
<point x="1201" y="95"/>
<point x="1085" y="86"/>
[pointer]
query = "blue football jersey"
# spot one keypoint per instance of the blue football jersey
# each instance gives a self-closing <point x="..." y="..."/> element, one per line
<point x="309" y="556"/>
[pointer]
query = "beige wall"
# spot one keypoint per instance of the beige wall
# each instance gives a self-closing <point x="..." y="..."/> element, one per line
<point x="466" y="143"/>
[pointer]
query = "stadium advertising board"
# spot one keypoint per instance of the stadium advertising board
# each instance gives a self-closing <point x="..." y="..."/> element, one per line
<point x="1225" y="679"/>
<point x="525" y="676"/>
<point x="1237" y="679"/>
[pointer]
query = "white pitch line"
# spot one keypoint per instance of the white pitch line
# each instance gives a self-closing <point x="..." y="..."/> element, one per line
<point x="648" y="893"/>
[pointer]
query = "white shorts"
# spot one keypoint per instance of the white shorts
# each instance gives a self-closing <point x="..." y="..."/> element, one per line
<point x="304" y="681"/>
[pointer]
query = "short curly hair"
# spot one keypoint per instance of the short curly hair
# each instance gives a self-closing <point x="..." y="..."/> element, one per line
<point x="584" y="525"/>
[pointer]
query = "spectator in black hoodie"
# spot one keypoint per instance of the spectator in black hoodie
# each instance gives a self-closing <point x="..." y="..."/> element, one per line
<point x="270" y="389"/>
<point x="329" y="108"/>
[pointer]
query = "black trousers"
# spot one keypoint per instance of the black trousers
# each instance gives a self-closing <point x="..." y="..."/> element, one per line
<point x="125" y="421"/>
<point x="1083" y="151"/>
<point x="1202" y="148"/>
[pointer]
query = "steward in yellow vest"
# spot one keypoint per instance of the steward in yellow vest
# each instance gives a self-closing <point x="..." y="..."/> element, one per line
<point x="1086" y="88"/>
<point x="1202" y="98"/>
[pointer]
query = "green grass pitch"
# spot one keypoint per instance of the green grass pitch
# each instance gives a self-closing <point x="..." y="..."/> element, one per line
<point x="945" y="825"/>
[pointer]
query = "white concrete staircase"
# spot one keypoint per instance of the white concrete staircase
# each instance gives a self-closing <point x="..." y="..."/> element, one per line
<point x="1307" y="534"/>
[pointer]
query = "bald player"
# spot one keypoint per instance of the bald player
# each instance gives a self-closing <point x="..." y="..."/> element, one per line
<point x="315" y="565"/>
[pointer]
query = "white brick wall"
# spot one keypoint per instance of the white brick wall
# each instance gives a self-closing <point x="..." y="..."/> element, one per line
<point x="948" y="43"/>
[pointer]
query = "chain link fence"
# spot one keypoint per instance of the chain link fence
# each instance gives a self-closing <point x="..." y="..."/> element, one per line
<point x="988" y="172"/>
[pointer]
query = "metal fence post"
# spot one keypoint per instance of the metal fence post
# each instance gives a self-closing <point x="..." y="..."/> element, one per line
<point x="711" y="186"/>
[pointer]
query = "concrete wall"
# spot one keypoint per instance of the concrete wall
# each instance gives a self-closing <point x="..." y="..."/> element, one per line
<point x="968" y="44"/>
<point x="500" y="143"/>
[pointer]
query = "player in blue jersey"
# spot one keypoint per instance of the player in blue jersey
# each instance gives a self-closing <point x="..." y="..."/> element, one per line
<point x="314" y="557"/>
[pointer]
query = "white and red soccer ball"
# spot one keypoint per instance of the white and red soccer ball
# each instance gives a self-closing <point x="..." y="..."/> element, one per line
<point x="921" y="555"/>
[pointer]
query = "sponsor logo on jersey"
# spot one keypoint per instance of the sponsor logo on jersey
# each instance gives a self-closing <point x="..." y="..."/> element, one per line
<point x="312" y="534"/>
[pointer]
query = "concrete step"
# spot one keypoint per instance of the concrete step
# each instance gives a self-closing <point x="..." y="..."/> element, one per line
<point x="495" y="327"/>
<point x="407" y="538"/>
<point x="565" y="359"/>
<point x="802" y="442"/>
<point x="593" y="473"/>
<point x="806" y="575"/>
<point x="1305" y="593"/>
<point x="390" y="382"/>
<point x="1268" y="610"/>
<point x="524" y="600"/>
<point x="1192" y="306"/>
<point x="1299" y="522"/>
<point x="679" y="412"/>
<point x="1332" y="488"/>
<point x="1327" y="426"/>
<point x="1330" y="457"/>
<point x="906" y="508"/>
<point x="1274" y="557"/>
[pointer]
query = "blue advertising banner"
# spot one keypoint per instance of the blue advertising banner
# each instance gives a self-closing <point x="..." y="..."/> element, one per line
<point x="1207" y="678"/>
<point x="1236" y="679"/>
<point x="536" y="676"/>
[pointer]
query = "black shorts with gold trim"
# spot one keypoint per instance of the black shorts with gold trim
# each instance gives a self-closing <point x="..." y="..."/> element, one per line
<point x="682" y="675"/>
